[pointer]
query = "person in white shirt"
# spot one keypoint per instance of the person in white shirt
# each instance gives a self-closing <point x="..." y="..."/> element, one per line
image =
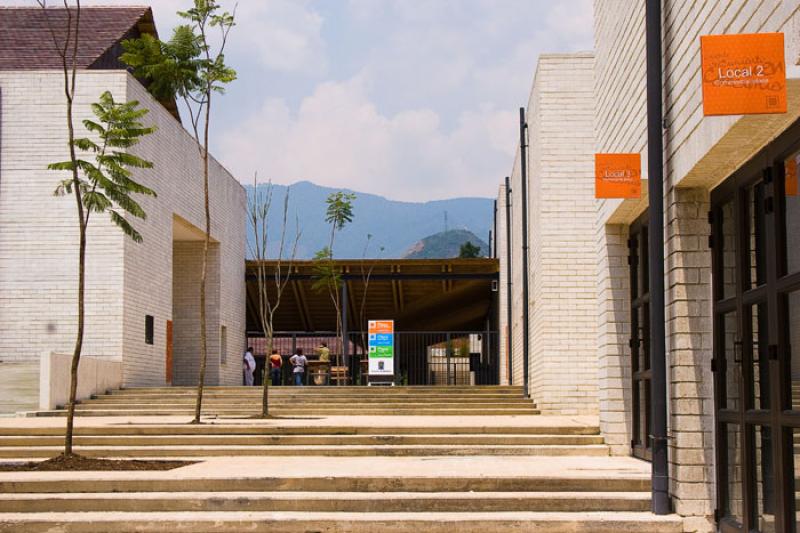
<point x="299" y="363"/>
<point x="249" y="367"/>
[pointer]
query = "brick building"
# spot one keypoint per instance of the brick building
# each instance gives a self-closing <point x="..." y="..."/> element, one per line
<point x="130" y="287"/>
<point x="731" y="263"/>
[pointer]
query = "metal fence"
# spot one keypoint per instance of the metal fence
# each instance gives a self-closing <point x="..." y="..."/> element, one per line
<point x="421" y="358"/>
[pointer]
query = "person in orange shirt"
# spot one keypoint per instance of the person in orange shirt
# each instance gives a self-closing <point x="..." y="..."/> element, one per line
<point x="275" y="364"/>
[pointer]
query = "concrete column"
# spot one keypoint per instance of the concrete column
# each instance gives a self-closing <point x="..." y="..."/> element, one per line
<point x="614" y="331"/>
<point x="689" y="348"/>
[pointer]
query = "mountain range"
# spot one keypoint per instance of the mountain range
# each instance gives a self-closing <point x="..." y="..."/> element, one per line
<point x="445" y="244"/>
<point x="395" y="226"/>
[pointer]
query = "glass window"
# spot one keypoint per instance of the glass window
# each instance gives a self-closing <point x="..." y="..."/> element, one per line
<point x="793" y="338"/>
<point x="732" y="352"/>
<point x="792" y="215"/>
<point x="643" y="266"/>
<point x="728" y="251"/>
<point x="765" y="479"/>
<point x="760" y="353"/>
<point x="734" y="507"/>
<point x="756" y="226"/>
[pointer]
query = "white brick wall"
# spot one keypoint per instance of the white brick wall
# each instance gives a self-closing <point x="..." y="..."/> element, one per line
<point x="125" y="280"/>
<point x="561" y="220"/>
<point x="177" y="177"/>
<point x="502" y="253"/>
<point x="620" y="126"/>
<point x="39" y="232"/>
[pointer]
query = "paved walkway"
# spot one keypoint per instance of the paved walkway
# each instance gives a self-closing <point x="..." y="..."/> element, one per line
<point x="320" y="421"/>
<point x="370" y="467"/>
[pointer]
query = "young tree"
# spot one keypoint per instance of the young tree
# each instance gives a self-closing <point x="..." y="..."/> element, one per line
<point x="270" y="286"/>
<point x="469" y="251"/>
<point x="338" y="214"/>
<point x="187" y="66"/>
<point x="366" y="275"/>
<point x="104" y="186"/>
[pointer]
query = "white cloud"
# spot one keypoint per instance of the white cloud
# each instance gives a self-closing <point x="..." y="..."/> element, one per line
<point x="411" y="99"/>
<point x="285" y="35"/>
<point x="338" y="138"/>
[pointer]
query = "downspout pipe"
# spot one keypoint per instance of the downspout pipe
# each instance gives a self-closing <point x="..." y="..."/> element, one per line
<point x="493" y="234"/>
<point x="523" y="164"/>
<point x="508" y="281"/>
<point x="655" y="173"/>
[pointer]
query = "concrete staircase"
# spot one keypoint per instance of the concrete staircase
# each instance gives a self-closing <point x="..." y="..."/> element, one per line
<point x="310" y="401"/>
<point x="171" y="441"/>
<point x="332" y="473"/>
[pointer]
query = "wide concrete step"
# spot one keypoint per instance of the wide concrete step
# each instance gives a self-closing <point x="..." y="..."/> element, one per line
<point x="388" y="450"/>
<point x="134" y="483"/>
<point x="318" y="411"/>
<point x="328" y="502"/>
<point x="293" y="400"/>
<point x="262" y="430"/>
<point x="304" y="522"/>
<point x="440" y="389"/>
<point x="306" y="440"/>
<point x="294" y="392"/>
<point x="227" y="404"/>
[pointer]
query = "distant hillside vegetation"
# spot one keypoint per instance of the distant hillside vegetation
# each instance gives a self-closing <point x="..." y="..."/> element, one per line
<point x="394" y="226"/>
<point x="444" y="245"/>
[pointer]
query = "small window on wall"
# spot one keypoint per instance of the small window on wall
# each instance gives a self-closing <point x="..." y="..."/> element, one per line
<point x="223" y="345"/>
<point x="148" y="329"/>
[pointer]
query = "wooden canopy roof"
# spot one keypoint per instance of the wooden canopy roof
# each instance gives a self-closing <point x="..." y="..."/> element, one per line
<point x="418" y="294"/>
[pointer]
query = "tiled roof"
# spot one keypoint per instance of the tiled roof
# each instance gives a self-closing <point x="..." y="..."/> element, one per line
<point x="27" y="44"/>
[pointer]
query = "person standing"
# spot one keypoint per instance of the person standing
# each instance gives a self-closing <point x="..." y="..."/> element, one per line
<point x="249" y="367"/>
<point x="324" y="353"/>
<point x="299" y="363"/>
<point x="325" y="357"/>
<point x="275" y="364"/>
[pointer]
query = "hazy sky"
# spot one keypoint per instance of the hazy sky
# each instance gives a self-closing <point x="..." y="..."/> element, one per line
<point x="411" y="99"/>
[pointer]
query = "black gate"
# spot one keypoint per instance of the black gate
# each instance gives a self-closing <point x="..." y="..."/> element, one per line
<point x="755" y="221"/>
<point x="421" y="358"/>
<point x="641" y="373"/>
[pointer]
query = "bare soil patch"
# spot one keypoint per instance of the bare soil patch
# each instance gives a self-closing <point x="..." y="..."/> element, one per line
<point x="79" y="462"/>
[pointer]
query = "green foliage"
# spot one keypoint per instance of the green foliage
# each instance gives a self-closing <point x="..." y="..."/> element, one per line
<point x="170" y="68"/>
<point x="469" y="251"/>
<point x="105" y="182"/>
<point x="340" y="209"/>
<point x="184" y="66"/>
<point x="326" y="276"/>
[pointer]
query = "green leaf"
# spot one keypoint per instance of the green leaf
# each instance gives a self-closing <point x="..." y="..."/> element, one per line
<point x="125" y="226"/>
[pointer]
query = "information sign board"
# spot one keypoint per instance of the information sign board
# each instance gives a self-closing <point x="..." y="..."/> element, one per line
<point x="618" y="175"/>
<point x="743" y="74"/>
<point x="381" y="347"/>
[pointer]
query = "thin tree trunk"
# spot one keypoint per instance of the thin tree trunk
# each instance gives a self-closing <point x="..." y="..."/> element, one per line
<point x="204" y="270"/>
<point x="267" y="375"/>
<point x="69" y="91"/>
<point x="76" y="354"/>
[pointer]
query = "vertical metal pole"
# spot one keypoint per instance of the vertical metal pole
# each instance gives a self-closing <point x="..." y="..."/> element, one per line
<point x="523" y="163"/>
<point x="285" y="368"/>
<point x="493" y="249"/>
<point x="655" y="174"/>
<point x="345" y="335"/>
<point x="508" y="282"/>
<point x="448" y="348"/>
<point x="486" y="356"/>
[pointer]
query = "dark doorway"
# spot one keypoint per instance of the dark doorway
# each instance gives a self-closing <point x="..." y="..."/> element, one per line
<point x="641" y="373"/>
<point x="755" y="221"/>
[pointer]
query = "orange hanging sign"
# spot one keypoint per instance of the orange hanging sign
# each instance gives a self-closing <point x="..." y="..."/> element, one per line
<point x="743" y="74"/>
<point x="618" y="175"/>
<point x="790" y="181"/>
